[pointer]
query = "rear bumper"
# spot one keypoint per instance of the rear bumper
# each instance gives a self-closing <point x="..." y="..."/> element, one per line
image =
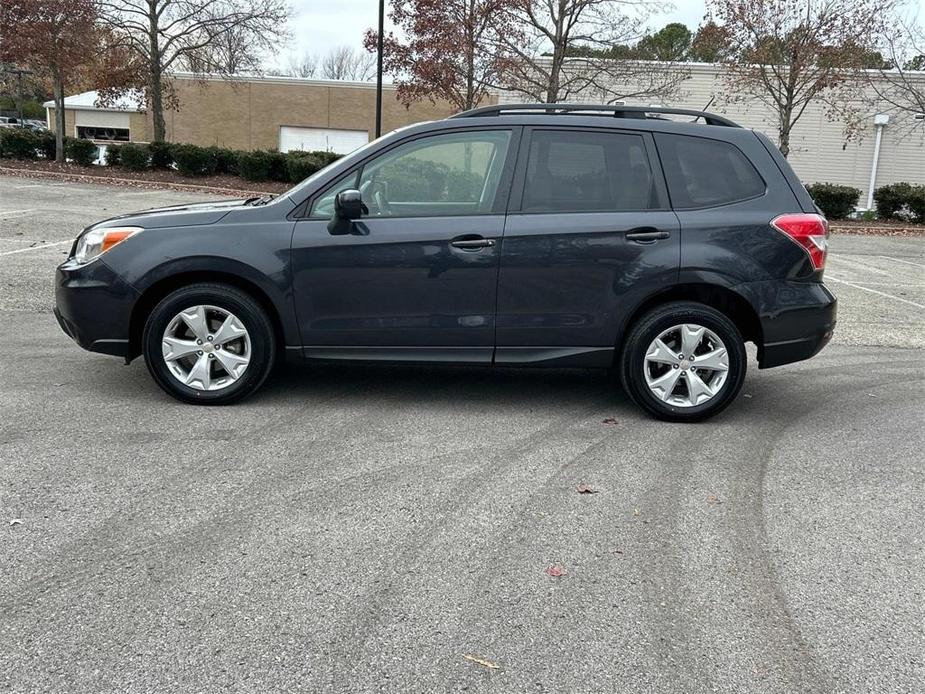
<point x="797" y="320"/>
<point x="93" y="307"/>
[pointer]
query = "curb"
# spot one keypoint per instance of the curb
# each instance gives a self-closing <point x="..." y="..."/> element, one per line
<point x="160" y="185"/>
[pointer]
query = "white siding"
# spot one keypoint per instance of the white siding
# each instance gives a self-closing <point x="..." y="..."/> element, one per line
<point x="327" y="139"/>
<point x="102" y="119"/>
<point x="818" y="149"/>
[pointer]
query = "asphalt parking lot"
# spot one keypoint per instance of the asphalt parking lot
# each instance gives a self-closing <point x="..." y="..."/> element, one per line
<point x="388" y="529"/>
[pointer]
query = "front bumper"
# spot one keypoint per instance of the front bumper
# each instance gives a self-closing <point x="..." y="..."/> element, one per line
<point x="797" y="319"/>
<point x="93" y="306"/>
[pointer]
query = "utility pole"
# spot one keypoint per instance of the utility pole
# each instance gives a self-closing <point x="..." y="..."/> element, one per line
<point x="19" y="72"/>
<point x="379" y="68"/>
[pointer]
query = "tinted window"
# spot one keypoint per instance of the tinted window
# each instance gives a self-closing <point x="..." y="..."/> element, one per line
<point x="324" y="206"/>
<point x="575" y="171"/>
<point x="452" y="174"/>
<point x="703" y="173"/>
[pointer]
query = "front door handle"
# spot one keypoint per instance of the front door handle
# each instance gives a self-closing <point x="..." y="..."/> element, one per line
<point x="647" y="234"/>
<point x="472" y="243"/>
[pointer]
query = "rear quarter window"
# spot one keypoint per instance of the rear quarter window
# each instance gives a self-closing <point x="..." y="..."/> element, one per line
<point x="704" y="173"/>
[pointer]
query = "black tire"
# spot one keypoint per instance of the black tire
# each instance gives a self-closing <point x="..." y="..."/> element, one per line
<point x="644" y="331"/>
<point x="233" y="300"/>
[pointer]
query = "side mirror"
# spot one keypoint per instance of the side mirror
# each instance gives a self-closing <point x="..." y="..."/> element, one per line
<point x="348" y="206"/>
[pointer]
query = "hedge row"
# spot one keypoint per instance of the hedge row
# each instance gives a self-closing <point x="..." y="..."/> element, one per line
<point x="900" y="201"/>
<point x="835" y="201"/>
<point x="189" y="160"/>
<point x="19" y="143"/>
<point x="193" y="160"/>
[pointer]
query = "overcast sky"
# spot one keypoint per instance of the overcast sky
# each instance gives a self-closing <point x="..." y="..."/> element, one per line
<point x="320" y="25"/>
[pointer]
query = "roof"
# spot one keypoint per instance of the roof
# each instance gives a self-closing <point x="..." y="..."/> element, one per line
<point x="87" y="101"/>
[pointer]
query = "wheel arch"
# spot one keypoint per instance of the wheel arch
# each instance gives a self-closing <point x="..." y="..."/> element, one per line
<point x="728" y="302"/>
<point x="164" y="285"/>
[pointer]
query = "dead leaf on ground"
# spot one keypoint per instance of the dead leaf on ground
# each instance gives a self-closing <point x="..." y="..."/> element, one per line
<point x="586" y="489"/>
<point x="481" y="661"/>
<point x="556" y="571"/>
<point x="609" y="420"/>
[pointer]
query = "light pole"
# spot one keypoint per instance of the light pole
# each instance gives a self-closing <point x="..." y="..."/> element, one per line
<point x="379" y="68"/>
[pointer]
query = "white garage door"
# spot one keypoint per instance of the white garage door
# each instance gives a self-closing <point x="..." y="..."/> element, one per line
<point x="328" y="139"/>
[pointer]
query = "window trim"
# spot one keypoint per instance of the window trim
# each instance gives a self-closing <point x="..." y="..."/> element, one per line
<point x="502" y="196"/>
<point x="520" y="178"/>
<point x="718" y="204"/>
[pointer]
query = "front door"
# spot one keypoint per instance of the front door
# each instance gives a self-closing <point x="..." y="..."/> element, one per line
<point x="590" y="234"/>
<point x="417" y="277"/>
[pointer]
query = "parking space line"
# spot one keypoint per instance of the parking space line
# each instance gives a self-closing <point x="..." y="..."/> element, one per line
<point x="6" y="213"/>
<point x="873" y="291"/>
<point x="900" y="260"/>
<point x="863" y="266"/>
<point x="35" y="248"/>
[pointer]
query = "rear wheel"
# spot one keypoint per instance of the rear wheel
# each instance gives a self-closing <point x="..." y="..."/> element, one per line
<point x="210" y="344"/>
<point x="683" y="362"/>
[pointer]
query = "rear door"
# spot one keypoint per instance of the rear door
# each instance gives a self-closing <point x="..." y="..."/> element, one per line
<point x="589" y="235"/>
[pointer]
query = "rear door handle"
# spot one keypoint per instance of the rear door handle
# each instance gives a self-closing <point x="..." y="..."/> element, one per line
<point x="472" y="243"/>
<point x="647" y="235"/>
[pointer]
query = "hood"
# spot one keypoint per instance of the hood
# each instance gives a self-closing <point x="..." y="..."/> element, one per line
<point x="193" y="214"/>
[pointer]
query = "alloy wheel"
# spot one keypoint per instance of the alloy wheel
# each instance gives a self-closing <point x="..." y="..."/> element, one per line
<point x="686" y="365"/>
<point x="206" y="348"/>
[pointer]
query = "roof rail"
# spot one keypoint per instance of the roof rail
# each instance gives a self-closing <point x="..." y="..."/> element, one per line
<point x="610" y="110"/>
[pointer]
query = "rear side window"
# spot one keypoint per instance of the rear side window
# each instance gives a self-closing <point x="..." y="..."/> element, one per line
<point x="703" y="173"/>
<point x="583" y="171"/>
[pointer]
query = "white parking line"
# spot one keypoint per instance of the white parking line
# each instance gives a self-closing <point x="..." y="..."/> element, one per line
<point x="873" y="291"/>
<point x="863" y="266"/>
<point x="35" y="248"/>
<point x="7" y="213"/>
<point x="900" y="260"/>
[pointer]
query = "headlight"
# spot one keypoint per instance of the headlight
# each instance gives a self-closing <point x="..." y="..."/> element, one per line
<point x="95" y="242"/>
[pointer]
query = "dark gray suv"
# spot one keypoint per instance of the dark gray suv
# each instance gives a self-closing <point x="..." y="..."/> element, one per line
<point x="521" y="235"/>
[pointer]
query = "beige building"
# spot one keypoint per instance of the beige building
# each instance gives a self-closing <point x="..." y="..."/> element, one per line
<point x="289" y="113"/>
<point x="253" y="113"/>
<point x="819" y="151"/>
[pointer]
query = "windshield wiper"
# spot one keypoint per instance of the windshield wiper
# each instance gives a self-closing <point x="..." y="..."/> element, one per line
<point x="259" y="200"/>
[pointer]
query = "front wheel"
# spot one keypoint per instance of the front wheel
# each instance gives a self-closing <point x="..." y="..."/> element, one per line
<point x="209" y="344"/>
<point x="683" y="362"/>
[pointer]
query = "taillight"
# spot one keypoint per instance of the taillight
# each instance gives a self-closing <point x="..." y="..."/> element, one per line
<point x="811" y="231"/>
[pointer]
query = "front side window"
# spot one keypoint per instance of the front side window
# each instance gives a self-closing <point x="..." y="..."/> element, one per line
<point x="583" y="171"/>
<point x="443" y="175"/>
<point x="702" y="172"/>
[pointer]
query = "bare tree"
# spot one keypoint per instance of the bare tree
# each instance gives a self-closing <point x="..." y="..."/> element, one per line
<point x="561" y="51"/>
<point x="345" y="63"/>
<point x="304" y="66"/>
<point x="163" y="33"/>
<point x="787" y="55"/>
<point x="238" y="50"/>
<point x="900" y="82"/>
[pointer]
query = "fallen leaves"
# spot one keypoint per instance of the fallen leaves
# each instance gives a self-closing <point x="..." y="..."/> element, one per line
<point x="586" y="489"/>
<point x="556" y="571"/>
<point x="481" y="661"/>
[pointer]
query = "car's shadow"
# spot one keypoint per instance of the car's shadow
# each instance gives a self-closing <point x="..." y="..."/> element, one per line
<point x="400" y="383"/>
